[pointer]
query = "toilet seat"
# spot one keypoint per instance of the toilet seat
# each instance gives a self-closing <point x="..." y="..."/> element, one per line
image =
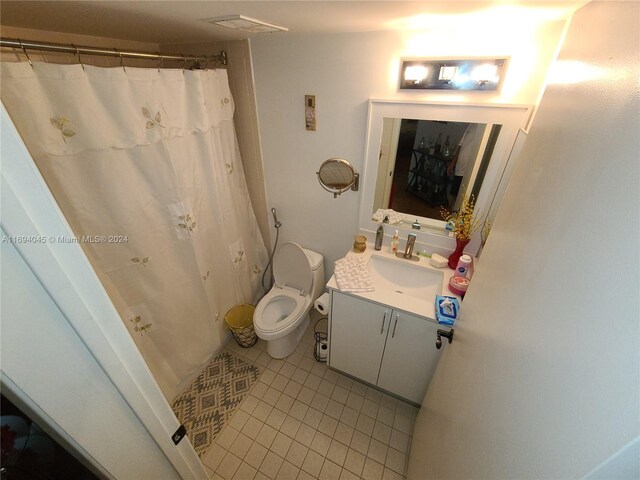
<point x="291" y="268"/>
<point x="279" y="311"/>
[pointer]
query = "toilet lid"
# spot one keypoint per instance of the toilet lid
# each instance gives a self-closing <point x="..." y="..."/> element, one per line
<point x="291" y="267"/>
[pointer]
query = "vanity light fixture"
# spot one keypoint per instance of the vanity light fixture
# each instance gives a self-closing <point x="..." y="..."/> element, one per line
<point x="248" y="24"/>
<point x="482" y="74"/>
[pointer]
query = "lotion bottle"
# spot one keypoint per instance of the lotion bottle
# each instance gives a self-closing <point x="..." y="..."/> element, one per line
<point x="395" y="240"/>
<point x="462" y="268"/>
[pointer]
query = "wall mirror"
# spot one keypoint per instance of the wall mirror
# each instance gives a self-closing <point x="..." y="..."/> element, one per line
<point x="337" y="175"/>
<point x="428" y="164"/>
<point x="410" y="168"/>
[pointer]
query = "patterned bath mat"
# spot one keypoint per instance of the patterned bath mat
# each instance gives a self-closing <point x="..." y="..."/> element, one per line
<point x="213" y="397"/>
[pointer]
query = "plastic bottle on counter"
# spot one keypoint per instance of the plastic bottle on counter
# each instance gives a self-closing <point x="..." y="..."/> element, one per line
<point x="471" y="269"/>
<point x="379" y="238"/>
<point x="462" y="269"/>
<point x="395" y="240"/>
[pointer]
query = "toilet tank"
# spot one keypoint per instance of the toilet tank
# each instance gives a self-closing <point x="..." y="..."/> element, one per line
<point x="316" y="261"/>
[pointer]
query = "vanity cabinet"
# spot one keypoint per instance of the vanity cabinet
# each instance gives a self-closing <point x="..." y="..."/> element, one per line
<point x="382" y="346"/>
<point x="358" y="335"/>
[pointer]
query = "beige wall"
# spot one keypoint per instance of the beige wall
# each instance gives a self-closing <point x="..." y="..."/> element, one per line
<point x="246" y="120"/>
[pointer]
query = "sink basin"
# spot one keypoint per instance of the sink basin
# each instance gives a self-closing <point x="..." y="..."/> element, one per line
<point x="403" y="277"/>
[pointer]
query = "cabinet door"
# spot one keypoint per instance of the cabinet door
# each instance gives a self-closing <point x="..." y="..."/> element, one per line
<point x="410" y="356"/>
<point x="358" y="333"/>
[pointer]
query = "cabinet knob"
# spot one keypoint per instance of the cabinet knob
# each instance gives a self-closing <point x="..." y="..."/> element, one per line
<point x="443" y="333"/>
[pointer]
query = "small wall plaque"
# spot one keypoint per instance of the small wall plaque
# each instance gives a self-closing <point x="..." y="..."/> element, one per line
<point x="310" y="112"/>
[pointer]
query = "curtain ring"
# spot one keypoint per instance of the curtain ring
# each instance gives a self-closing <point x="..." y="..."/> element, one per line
<point x="161" y="60"/>
<point x="119" y="54"/>
<point x="78" y="54"/>
<point x="204" y="67"/>
<point x="24" y="50"/>
<point x="184" y="61"/>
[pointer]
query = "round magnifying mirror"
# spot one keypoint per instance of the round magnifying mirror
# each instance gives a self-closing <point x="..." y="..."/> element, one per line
<point x="337" y="175"/>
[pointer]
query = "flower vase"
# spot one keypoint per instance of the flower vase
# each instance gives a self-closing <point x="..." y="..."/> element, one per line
<point x="457" y="253"/>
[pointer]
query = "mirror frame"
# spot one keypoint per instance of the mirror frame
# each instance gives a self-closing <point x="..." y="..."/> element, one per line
<point x="433" y="237"/>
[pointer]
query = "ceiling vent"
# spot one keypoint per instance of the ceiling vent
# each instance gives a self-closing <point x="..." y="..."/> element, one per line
<point x="247" y="24"/>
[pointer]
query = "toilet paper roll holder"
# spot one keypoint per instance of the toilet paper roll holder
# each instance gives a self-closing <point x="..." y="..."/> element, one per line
<point x="321" y="347"/>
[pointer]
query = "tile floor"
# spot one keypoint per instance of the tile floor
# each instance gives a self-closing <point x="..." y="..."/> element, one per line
<point x="304" y="421"/>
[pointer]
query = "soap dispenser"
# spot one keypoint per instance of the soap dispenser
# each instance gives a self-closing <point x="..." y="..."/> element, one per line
<point x="379" y="238"/>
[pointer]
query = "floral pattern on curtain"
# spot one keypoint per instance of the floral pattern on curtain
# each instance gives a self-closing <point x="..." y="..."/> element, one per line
<point x="144" y="158"/>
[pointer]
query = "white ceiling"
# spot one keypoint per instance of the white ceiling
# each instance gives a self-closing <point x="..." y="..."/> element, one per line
<point x="166" y="22"/>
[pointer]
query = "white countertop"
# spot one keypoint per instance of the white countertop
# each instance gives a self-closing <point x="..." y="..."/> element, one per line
<point x="416" y="306"/>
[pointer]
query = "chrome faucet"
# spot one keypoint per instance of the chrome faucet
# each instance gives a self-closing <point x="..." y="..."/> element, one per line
<point x="411" y="241"/>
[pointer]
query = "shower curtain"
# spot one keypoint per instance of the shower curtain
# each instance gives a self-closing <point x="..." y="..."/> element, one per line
<point x="145" y="166"/>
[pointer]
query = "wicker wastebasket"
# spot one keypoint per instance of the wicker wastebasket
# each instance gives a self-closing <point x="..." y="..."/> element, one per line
<point x="240" y="321"/>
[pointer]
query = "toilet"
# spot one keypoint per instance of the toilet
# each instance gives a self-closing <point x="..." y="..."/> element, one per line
<point x="282" y="316"/>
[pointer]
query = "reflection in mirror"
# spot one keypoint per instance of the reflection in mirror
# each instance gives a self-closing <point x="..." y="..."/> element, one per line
<point x="337" y="175"/>
<point x="427" y="164"/>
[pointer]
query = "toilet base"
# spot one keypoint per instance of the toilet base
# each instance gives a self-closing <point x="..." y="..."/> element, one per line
<point x="285" y="346"/>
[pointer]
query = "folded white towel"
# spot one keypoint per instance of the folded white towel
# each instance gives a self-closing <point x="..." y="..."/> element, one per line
<point x="394" y="217"/>
<point x="352" y="275"/>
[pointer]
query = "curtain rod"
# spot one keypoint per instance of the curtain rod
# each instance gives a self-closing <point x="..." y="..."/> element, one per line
<point x="114" y="52"/>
